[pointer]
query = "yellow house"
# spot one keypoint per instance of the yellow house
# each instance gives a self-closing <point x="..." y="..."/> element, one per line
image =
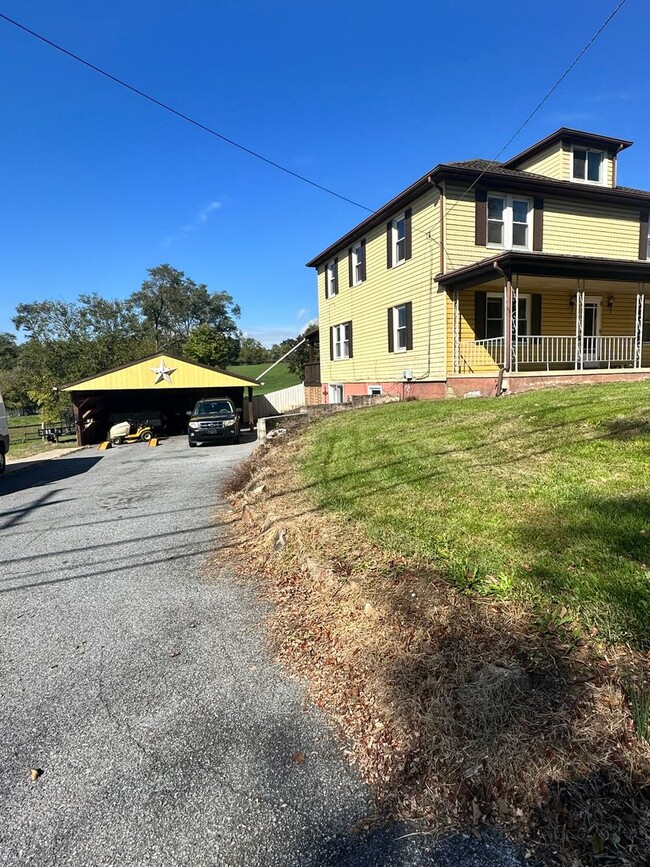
<point x="484" y="277"/>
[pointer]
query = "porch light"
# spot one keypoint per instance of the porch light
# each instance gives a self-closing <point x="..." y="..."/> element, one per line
<point x="572" y="302"/>
<point x="610" y="302"/>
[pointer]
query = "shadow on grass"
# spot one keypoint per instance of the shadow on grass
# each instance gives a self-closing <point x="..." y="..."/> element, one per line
<point x="605" y="563"/>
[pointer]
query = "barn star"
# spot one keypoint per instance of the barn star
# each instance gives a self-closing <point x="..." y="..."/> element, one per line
<point x="163" y="373"/>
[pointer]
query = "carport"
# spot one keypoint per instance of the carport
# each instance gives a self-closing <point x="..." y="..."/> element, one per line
<point x="162" y="387"/>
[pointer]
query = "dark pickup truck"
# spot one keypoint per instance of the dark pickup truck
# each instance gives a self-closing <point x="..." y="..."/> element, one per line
<point x="212" y="421"/>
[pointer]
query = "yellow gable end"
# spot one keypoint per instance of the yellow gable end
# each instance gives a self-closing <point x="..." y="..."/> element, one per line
<point x="160" y="372"/>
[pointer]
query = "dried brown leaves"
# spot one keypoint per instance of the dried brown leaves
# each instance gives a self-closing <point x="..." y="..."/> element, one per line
<point x="394" y="655"/>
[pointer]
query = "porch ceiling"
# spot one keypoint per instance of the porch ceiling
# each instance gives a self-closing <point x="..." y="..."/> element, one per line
<point x="546" y="265"/>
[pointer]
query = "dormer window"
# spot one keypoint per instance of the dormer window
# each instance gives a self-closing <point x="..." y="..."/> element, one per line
<point x="587" y="166"/>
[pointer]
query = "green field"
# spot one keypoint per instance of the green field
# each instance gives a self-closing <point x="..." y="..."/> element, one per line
<point x="279" y="377"/>
<point x="543" y="496"/>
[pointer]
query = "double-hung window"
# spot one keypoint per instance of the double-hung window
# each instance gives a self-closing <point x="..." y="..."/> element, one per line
<point x="336" y="393"/>
<point x="399" y="240"/>
<point x="494" y="316"/>
<point x="341" y="341"/>
<point x="400" y="327"/>
<point x="645" y="335"/>
<point x="358" y="264"/>
<point x="509" y="221"/>
<point x="587" y="165"/>
<point x="331" y="278"/>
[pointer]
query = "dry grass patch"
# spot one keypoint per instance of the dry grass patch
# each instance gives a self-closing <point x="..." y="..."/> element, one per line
<point x="460" y="709"/>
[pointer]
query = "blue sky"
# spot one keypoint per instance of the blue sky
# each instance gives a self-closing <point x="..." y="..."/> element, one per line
<point x="364" y="97"/>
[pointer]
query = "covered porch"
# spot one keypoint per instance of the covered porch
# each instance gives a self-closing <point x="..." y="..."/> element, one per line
<point x="537" y="313"/>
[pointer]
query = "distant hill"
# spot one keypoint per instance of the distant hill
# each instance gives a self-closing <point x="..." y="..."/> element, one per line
<point x="279" y="377"/>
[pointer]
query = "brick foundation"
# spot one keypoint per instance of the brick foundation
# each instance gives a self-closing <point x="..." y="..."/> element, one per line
<point x="485" y="385"/>
<point x="401" y="390"/>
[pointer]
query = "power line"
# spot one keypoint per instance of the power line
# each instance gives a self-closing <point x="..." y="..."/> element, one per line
<point x="540" y="103"/>
<point x="181" y="114"/>
<point x="279" y="166"/>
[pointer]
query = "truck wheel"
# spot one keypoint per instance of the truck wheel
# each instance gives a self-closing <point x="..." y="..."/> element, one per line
<point x="3" y="462"/>
<point x="191" y="444"/>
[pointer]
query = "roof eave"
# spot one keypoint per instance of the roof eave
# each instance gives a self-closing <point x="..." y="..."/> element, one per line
<point x="566" y="132"/>
<point x="546" y="265"/>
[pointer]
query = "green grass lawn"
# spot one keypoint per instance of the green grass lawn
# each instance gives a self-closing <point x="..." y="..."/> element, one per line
<point x="24" y="421"/>
<point x="543" y="496"/>
<point x="279" y="377"/>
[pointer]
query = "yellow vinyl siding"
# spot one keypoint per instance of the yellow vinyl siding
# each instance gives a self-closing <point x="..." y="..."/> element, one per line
<point x="140" y="376"/>
<point x="571" y="227"/>
<point x="366" y="306"/>
<point x="549" y="162"/>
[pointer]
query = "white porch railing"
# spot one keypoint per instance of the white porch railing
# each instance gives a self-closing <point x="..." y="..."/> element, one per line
<point x="558" y="351"/>
<point x="477" y="354"/>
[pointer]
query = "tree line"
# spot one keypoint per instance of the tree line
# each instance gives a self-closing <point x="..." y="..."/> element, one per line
<point x="66" y="341"/>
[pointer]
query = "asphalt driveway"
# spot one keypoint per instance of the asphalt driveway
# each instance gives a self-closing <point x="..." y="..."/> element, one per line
<point x="141" y="687"/>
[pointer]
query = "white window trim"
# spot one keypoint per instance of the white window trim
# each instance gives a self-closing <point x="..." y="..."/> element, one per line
<point x="330" y="387"/>
<point x="357" y="261"/>
<point x="396" y="348"/>
<point x="339" y="341"/>
<point x="375" y="390"/>
<point x="331" y="289"/>
<point x="522" y="296"/>
<point x="395" y="261"/>
<point x="508" y="222"/>
<point x="603" y="167"/>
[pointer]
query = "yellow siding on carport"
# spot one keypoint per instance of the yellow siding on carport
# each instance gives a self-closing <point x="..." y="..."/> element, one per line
<point x="140" y="376"/>
<point x="366" y="306"/>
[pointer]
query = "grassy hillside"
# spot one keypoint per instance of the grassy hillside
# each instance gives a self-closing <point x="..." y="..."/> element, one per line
<point x="279" y="377"/>
<point x="543" y="496"/>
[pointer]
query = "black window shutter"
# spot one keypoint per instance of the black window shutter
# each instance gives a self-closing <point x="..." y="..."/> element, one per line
<point x="408" y="244"/>
<point x="536" y="315"/>
<point x="643" y="235"/>
<point x="350" y="353"/>
<point x="363" y="259"/>
<point x="350" y="269"/>
<point x="389" y="244"/>
<point x="538" y="224"/>
<point x="409" y="325"/>
<point x="336" y="276"/>
<point x="480" y="302"/>
<point x="480" y="227"/>
<point x="327" y="273"/>
<point x="391" y="341"/>
<point x="332" y="343"/>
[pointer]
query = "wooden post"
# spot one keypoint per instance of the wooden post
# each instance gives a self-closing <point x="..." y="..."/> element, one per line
<point x="251" y="414"/>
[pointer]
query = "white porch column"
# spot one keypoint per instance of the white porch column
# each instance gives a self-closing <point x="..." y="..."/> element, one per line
<point x="507" y="325"/>
<point x="456" y="331"/>
<point x="638" y="326"/>
<point x="514" y="326"/>
<point x="580" y="326"/>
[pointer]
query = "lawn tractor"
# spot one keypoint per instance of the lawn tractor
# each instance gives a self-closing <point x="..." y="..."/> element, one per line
<point x="130" y="432"/>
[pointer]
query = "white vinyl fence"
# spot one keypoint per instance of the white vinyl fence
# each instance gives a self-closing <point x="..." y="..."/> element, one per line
<point x="277" y="402"/>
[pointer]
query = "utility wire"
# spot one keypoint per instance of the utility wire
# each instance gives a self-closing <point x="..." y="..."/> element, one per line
<point x="279" y="166"/>
<point x="181" y="114"/>
<point x="549" y="93"/>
